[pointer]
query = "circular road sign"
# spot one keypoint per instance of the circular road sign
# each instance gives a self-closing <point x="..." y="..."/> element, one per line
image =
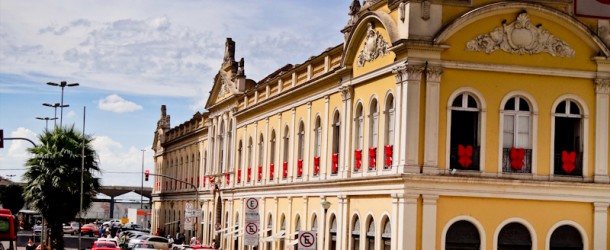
<point x="307" y="239"/>
<point x="252" y="203"/>
<point x="251" y="228"/>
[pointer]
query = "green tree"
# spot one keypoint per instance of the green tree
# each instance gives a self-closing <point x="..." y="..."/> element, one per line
<point x="53" y="180"/>
<point x="11" y="197"/>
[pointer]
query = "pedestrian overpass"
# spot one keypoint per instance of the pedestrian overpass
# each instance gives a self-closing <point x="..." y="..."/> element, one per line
<point x="114" y="191"/>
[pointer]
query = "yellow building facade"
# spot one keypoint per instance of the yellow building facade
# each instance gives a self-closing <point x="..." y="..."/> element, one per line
<point x="449" y="124"/>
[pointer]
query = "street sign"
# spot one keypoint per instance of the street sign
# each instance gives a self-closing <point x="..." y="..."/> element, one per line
<point x="189" y="211"/>
<point x="251" y="234"/>
<point x="307" y="240"/>
<point x="252" y="215"/>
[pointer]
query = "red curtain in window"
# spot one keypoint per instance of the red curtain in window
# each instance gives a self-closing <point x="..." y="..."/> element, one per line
<point x="299" y="168"/>
<point x="284" y="170"/>
<point x="358" y="158"/>
<point x="249" y="177"/>
<point x="516" y="158"/>
<point x="260" y="173"/>
<point x="271" y="171"/>
<point x="335" y="163"/>
<point x="239" y="175"/>
<point x="389" y="152"/>
<point x="316" y="165"/>
<point x="465" y="155"/>
<point x="568" y="159"/>
<point x="372" y="158"/>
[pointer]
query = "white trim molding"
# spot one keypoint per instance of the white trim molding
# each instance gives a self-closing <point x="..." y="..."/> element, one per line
<point x="521" y="221"/>
<point x="472" y="220"/>
<point x="583" y="233"/>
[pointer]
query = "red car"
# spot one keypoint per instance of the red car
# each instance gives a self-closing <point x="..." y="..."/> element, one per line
<point x="104" y="245"/>
<point x="89" y="229"/>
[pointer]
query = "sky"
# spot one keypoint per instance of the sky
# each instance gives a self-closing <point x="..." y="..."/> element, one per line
<point x="132" y="56"/>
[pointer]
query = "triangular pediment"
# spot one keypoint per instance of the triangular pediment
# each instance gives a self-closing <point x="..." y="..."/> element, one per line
<point x="223" y="88"/>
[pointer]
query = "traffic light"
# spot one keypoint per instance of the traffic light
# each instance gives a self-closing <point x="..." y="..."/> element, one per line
<point x="146" y="173"/>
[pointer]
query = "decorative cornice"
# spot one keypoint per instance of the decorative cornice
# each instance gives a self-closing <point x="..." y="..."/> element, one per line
<point x="602" y="86"/>
<point x="520" y="37"/>
<point x="374" y="46"/>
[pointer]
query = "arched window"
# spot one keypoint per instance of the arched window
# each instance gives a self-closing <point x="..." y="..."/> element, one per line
<point x="389" y="132"/>
<point x="269" y="231"/>
<point x="370" y="235"/>
<point x="236" y="229"/>
<point x="566" y="237"/>
<point x="568" y="136"/>
<point x="300" y="149"/>
<point x="272" y="155"/>
<point x="283" y="228"/>
<point x="373" y="134"/>
<point x="332" y="232"/>
<point x="358" y="137"/>
<point x="250" y="148"/>
<point x="317" y="131"/>
<point x="386" y="235"/>
<point x="221" y="146"/>
<point x="286" y="152"/>
<point x="465" y="134"/>
<point x="240" y="151"/>
<point x="355" y="239"/>
<point x="261" y="157"/>
<point x="514" y="236"/>
<point x="314" y="223"/>
<point x="517" y="136"/>
<point x="462" y="235"/>
<point x="301" y="135"/>
<point x="336" y="142"/>
<point x="297" y="228"/>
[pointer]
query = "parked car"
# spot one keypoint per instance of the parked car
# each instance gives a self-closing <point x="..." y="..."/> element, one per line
<point x="113" y="240"/>
<point x="110" y="223"/>
<point x="136" y="239"/>
<point x="143" y="246"/>
<point x="104" y="245"/>
<point x="71" y="228"/>
<point x="157" y="241"/>
<point x="90" y="229"/>
<point x="197" y="247"/>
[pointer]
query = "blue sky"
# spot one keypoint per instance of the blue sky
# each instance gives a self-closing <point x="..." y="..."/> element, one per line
<point x="130" y="57"/>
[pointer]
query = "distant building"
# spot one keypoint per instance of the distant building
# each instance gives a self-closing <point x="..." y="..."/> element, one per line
<point x="456" y="124"/>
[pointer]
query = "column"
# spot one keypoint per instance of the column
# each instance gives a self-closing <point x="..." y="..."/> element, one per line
<point x="262" y="219"/>
<point x="244" y="156"/>
<point x="433" y="74"/>
<point x="412" y="94"/>
<point x="306" y="155"/>
<point x="429" y="221"/>
<point x="342" y="221"/>
<point x="345" y="155"/>
<point x="324" y="163"/>
<point x="401" y="117"/>
<point x="242" y="222"/>
<point x="405" y="227"/>
<point x="227" y="145"/>
<point x="289" y="232"/>
<point x="304" y="220"/>
<point x="208" y="167"/>
<point x="602" y="90"/>
<point x="322" y="225"/>
<point x="276" y="220"/>
<point x="600" y="225"/>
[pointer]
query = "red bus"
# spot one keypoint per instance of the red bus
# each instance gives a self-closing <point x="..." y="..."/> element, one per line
<point x="7" y="226"/>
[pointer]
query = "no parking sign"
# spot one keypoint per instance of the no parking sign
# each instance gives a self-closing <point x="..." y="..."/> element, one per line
<point x="307" y="240"/>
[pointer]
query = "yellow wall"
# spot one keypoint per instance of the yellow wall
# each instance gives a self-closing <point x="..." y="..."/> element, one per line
<point x="541" y="215"/>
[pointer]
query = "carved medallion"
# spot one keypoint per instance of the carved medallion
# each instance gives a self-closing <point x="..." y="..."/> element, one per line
<point x="374" y="46"/>
<point x="521" y="37"/>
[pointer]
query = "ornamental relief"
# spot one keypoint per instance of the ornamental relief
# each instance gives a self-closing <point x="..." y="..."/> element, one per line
<point x="374" y="46"/>
<point x="521" y="37"/>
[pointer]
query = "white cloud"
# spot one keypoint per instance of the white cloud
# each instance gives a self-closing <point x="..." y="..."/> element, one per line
<point x="12" y="161"/>
<point x="117" y="104"/>
<point x="120" y="166"/>
<point x="70" y="114"/>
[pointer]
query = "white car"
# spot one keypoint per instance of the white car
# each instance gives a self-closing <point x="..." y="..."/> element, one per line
<point x="112" y="222"/>
<point x="157" y="241"/>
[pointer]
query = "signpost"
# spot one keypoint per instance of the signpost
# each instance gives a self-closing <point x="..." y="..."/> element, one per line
<point x="252" y="223"/>
<point x="307" y="240"/>
<point x="189" y="216"/>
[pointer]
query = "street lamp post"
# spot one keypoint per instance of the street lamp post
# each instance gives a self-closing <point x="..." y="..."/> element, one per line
<point x="62" y="85"/>
<point x="55" y="106"/>
<point x="46" y="119"/>
<point x="142" y="182"/>
<point x="326" y="205"/>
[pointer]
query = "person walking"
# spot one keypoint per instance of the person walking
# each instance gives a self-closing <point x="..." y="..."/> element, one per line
<point x="30" y="245"/>
<point x="123" y="241"/>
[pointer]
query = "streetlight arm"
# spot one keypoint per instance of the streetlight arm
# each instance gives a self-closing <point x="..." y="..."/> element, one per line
<point x="52" y="84"/>
<point x="19" y="138"/>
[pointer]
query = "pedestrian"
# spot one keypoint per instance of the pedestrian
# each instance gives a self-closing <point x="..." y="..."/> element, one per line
<point x="123" y="242"/>
<point x="30" y="245"/>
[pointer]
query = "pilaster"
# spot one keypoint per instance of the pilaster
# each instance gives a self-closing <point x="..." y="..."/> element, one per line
<point x="293" y="140"/>
<point x="345" y="155"/>
<point x="325" y="145"/>
<point x="341" y="222"/>
<point x="429" y="221"/>
<point x="600" y="225"/>
<point x="307" y="137"/>
<point x="602" y="91"/>
<point x="433" y="80"/>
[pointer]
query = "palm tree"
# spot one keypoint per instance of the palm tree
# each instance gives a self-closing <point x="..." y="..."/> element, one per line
<point x="53" y="180"/>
